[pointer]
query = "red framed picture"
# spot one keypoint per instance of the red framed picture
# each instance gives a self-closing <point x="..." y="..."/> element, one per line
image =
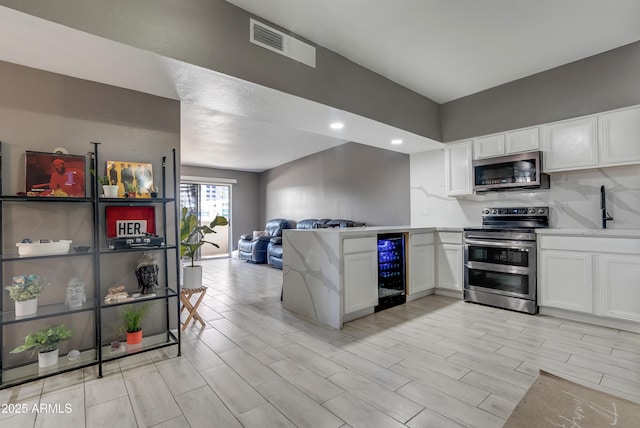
<point x="55" y="174"/>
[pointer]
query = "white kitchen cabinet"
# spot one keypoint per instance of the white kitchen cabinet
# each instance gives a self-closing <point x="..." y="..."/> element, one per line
<point x="449" y="260"/>
<point x="421" y="263"/>
<point x="522" y="140"/>
<point x="619" y="137"/>
<point x="570" y="144"/>
<point x="458" y="168"/>
<point x="595" y="273"/>
<point x="360" y="273"/>
<point x="519" y="141"/>
<point x="566" y="280"/>
<point x="488" y="147"/>
<point x="620" y="286"/>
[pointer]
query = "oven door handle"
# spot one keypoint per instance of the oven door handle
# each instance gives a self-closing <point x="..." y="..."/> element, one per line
<point x="501" y="244"/>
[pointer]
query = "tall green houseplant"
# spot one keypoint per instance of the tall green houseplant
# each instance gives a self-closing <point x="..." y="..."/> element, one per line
<point x="192" y="235"/>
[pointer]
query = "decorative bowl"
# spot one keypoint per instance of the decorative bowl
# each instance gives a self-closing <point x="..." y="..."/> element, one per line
<point x="43" y="248"/>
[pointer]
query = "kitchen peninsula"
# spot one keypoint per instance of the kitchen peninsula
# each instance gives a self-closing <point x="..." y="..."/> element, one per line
<point x="331" y="275"/>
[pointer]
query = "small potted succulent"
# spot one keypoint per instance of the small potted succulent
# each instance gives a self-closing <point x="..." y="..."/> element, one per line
<point x="109" y="187"/>
<point x="130" y="190"/>
<point x="132" y="316"/>
<point x="45" y="343"/>
<point x="153" y="191"/>
<point x="24" y="290"/>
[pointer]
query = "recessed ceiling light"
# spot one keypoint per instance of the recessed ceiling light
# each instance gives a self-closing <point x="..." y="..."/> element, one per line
<point x="396" y="141"/>
<point x="337" y="125"/>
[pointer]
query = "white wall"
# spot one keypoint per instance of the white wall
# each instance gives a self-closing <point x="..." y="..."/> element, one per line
<point x="573" y="197"/>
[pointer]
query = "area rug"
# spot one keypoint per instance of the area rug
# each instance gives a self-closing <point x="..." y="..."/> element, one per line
<point x="555" y="402"/>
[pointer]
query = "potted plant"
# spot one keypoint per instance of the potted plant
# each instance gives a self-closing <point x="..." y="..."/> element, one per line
<point x="130" y="190"/>
<point x="109" y="187"/>
<point x="45" y="343"/>
<point x="153" y="191"/>
<point x="132" y="316"/>
<point x="24" y="290"/>
<point x="192" y="237"/>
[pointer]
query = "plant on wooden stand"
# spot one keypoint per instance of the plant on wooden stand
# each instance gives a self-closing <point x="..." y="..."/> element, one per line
<point x="45" y="343"/>
<point x="192" y="237"/>
<point x="132" y="316"/>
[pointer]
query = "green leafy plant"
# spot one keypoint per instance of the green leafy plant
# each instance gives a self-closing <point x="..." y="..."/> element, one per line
<point x="132" y="317"/>
<point x="130" y="187"/>
<point x="192" y="235"/>
<point x="25" y="287"/>
<point x="44" y="340"/>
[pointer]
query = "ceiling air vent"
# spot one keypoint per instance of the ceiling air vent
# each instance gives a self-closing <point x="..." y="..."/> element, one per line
<point x="276" y="41"/>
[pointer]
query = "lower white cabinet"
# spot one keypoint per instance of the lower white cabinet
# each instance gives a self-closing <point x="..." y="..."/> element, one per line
<point x="620" y="286"/>
<point x="593" y="275"/>
<point x="449" y="260"/>
<point x="566" y="280"/>
<point x="421" y="262"/>
<point x="360" y="274"/>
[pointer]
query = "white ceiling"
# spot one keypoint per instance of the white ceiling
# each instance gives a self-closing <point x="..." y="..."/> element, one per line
<point x="443" y="49"/>
<point x="447" y="49"/>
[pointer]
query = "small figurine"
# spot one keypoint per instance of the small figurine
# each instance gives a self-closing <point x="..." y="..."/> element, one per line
<point x="147" y="274"/>
<point x="76" y="293"/>
<point x="116" y="294"/>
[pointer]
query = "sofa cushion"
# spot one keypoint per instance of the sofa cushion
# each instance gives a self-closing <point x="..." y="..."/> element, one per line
<point x="308" y="223"/>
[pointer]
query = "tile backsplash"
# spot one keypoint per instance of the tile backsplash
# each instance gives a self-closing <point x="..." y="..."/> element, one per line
<point x="573" y="197"/>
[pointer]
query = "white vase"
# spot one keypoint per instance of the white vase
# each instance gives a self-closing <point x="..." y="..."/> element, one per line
<point x="110" y="191"/>
<point x="26" y="308"/>
<point x="192" y="277"/>
<point x="48" y="359"/>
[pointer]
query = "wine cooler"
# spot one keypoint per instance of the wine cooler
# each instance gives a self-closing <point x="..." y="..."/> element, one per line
<point x="391" y="271"/>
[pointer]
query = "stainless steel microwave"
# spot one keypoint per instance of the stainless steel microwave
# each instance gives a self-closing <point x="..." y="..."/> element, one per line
<point x="521" y="171"/>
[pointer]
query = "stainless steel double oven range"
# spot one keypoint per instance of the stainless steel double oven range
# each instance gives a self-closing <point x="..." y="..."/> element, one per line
<point x="500" y="261"/>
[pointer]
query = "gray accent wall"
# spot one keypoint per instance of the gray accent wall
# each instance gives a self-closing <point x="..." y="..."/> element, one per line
<point x="352" y="181"/>
<point x="245" y="198"/>
<point x="599" y="83"/>
<point x="214" y="34"/>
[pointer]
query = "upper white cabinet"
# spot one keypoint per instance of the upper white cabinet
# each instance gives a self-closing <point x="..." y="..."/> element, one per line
<point x="487" y="147"/>
<point x="619" y="135"/>
<point x="522" y="140"/>
<point x="570" y="144"/>
<point x="458" y="159"/>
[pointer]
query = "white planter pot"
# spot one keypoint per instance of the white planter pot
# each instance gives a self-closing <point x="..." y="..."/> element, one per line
<point x="110" y="191"/>
<point x="48" y="359"/>
<point x="192" y="277"/>
<point x="26" y="308"/>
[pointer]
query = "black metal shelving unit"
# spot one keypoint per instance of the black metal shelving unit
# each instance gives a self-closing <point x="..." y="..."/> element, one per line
<point x="26" y="371"/>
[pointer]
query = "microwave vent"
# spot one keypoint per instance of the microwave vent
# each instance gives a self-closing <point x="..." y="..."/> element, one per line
<point x="276" y="41"/>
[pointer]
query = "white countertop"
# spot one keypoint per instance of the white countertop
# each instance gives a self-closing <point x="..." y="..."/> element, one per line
<point x="377" y="229"/>
<point x="605" y="233"/>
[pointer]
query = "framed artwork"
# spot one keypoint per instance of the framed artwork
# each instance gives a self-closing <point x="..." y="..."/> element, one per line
<point x="55" y="174"/>
<point x="131" y="177"/>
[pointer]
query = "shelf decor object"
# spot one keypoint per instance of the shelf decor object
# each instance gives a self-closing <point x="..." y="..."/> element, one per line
<point x="24" y="290"/>
<point x="132" y="317"/>
<point x="45" y="343"/>
<point x="55" y="174"/>
<point x="44" y="247"/>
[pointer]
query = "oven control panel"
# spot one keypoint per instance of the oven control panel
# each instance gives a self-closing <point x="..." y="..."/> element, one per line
<point x="520" y="211"/>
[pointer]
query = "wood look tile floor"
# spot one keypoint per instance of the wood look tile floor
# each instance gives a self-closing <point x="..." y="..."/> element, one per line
<point x="434" y="362"/>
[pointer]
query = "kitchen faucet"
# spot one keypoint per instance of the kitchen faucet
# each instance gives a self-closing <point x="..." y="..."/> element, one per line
<point x="603" y="208"/>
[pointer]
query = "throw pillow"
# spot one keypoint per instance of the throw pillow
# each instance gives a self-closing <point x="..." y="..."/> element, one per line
<point x="258" y="233"/>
